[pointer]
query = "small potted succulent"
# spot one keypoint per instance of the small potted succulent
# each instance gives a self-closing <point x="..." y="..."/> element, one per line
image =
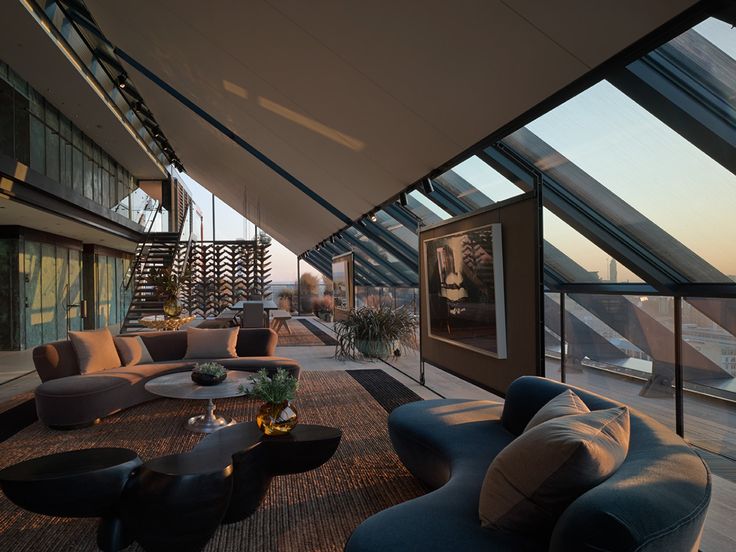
<point x="208" y="373"/>
<point x="277" y="415"/>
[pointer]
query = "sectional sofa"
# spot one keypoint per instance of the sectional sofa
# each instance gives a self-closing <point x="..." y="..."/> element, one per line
<point x="67" y="400"/>
<point x="655" y="502"/>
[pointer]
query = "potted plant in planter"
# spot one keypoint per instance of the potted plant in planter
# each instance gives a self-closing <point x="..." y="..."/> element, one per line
<point x="322" y="308"/>
<point x="167" y="284"/>
<point x="286" y="297"/>
<point x="208" y="373"/>
<point x="276" y="416"/>
<point x="375" y="333"/>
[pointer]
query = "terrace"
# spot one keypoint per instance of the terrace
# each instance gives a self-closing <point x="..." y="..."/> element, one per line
<point x="607" y="157"/>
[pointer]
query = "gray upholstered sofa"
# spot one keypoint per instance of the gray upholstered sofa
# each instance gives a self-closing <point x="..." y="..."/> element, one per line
<point x="67" y="399"/>
<point x="656" y="501"/>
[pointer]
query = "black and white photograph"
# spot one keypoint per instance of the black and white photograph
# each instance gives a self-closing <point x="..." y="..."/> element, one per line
<point x="464" y="289"/>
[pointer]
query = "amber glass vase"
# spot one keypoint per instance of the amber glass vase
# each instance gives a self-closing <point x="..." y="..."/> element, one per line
<point x="172" y="307"/>
<point x="277" y="418"/>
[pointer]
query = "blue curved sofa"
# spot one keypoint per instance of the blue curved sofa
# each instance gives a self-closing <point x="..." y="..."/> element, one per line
<point x="656" y="501"/>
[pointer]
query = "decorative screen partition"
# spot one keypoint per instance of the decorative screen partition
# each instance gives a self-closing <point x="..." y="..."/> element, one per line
<point x="223" y="273"/>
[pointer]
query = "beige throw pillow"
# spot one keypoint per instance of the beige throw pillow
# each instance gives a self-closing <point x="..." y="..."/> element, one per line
<point x="539" y="474"/>
<point x="132" y="350"/>
<point x="564" y="404"/>
<point x="212" y="343"/>
<point x="95" y="350"/>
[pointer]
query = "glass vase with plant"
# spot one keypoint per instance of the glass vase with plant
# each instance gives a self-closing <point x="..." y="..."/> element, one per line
<point x="167" y="284"/>
<point x="375" y="332"/>
<point x="277" y="415"/>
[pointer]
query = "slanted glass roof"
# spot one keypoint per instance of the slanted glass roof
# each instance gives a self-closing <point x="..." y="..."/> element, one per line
<point x="486" y="184"/>
<point x="572" y="258"/>
<point x="603" y="141"/>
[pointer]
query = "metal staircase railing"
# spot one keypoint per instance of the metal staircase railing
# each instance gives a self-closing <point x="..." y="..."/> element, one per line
<point x="142" y="250"/>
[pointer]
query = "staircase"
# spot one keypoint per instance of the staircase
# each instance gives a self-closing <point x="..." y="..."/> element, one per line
<point x="158" y="251"/>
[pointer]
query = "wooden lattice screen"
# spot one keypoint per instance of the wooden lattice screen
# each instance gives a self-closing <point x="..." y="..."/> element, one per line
<point x="223" y="273"/>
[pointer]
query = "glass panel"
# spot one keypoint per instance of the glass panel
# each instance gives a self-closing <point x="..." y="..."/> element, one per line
<point x="396" y="228"/>
<point x="378" y="252"/>
<point x="6" y="120"/>
<point x="488" y="183"/>
<point x="52" y="154"/>
<point x="77" y="170"/>
<point x="552" y="336"/>
<point x="621" y="348"/>
<point x="709" y="407"/>
<point x="426" y="209"/>
<point x="38" y="145"/>
<point x="650" y="168"/>
<point x="575" y="259"/>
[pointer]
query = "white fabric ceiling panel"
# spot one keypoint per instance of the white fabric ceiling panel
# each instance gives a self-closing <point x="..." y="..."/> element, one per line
<point x="609" y="24"/>
<point x="356" y="99"/>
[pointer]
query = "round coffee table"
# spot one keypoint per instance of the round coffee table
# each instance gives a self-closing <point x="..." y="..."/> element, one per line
<point x="181" y="386"/>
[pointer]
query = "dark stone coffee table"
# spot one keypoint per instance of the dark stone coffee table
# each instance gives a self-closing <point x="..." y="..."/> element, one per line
<point x="79" y="483"/>
<point x="257" y="458"/>
<point x="176" y="502"/>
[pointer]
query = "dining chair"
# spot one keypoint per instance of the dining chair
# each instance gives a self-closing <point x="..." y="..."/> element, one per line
<point x="253" y="316"/>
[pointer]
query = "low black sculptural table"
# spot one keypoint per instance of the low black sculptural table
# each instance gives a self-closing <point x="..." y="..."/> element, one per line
<point x="173" y="502"/>
<point x="78" y="483"/>
<point x="257" y="458"/>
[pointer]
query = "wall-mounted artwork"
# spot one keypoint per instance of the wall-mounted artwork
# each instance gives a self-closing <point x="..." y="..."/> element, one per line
<point x="464" y="289"/>
<point x="342" y="282"/>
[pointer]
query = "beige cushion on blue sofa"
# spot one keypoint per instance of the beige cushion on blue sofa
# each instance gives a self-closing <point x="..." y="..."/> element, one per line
<point x="564" y="404"/>
<point x="540" y="473"/>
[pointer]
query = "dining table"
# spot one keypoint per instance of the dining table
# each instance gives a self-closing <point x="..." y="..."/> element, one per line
<point x="268" y="305"/>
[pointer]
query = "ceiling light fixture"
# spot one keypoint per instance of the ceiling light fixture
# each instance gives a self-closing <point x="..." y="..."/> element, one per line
<point x="374" y="218"/>
<point x="120" y="81"/>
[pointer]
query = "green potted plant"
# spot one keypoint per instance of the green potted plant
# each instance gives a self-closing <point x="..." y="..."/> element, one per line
<point x="277" y="415"/>
<point x="167" y="284"/>
<point x="375" y="332"/>
<point x="322" y="307"/>
<point x="208" y="373"/>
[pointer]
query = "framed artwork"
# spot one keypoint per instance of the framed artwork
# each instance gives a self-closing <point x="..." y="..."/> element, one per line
<point x="342" y="282"/>
<point x="464" y="289"/>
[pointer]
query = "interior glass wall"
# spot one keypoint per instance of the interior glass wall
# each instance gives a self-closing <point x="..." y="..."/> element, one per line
<point x="35" y="133"/>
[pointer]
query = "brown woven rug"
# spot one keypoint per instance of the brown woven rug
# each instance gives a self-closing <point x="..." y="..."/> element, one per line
<point x="303" y="333"/>
<point x="316" y="510"/>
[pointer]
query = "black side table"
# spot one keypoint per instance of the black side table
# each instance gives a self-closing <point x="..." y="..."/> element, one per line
<point x="79" y="483"/>
<point x="257" y="458"/>
<point x="176" y="502"/>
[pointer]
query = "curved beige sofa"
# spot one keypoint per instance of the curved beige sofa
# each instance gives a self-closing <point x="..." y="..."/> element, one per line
<point x="67" y="400"/>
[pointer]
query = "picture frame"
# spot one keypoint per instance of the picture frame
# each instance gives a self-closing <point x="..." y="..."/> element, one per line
<point x="464" y="289"/>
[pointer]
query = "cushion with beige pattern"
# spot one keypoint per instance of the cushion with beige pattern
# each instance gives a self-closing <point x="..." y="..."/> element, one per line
<point x="95" y="350"/>
<point x="212" y="343"/>
<point x="564" y="404"/>
<point x="540" y="473"/>
<point x="132" y="350"/>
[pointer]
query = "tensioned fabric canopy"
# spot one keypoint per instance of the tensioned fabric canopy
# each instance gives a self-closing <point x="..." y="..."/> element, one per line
<point x="357" y="100"/>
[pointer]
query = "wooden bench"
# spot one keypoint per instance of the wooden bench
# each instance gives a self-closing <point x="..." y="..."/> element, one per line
<point x="279" y="319"/>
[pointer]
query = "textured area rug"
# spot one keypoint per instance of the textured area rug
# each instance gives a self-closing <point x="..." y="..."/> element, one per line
<point x="386" y="390"/>
<point x="316" y="510"/>
<point x="304" y="333"/>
